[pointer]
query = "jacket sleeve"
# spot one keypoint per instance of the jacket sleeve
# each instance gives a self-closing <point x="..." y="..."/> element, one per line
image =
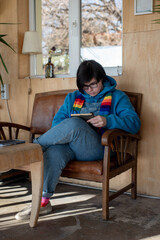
<point x="65" y="110"/>
<point x="123" y="115"/>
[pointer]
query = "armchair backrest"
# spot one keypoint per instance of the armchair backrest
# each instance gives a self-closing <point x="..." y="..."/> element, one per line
<point x="47" y="104"/>
<point x="44" y="109"/>
<point x="136" y="100"/>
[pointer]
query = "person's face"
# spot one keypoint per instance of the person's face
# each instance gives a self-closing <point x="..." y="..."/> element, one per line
<point x="93" y="87"/>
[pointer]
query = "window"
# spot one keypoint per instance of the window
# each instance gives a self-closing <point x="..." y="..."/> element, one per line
<point x="79" y="29"/>
<point x="102" y="33"/>
<point x="55" y="24"/>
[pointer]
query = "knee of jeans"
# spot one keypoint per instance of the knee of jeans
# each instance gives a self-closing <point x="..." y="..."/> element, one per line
<point x="75" y="122"/>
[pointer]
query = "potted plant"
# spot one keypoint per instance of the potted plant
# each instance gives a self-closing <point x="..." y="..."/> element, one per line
<point x="2" y="36"/>
<point x="156" y="9"/>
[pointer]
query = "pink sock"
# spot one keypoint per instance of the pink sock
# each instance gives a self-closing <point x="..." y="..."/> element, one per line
<point x="44" y="201"/>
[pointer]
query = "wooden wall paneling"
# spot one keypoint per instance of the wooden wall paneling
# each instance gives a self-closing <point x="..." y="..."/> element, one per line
<point x="8" y="14"/>
<point x="23" y="20"/>
<point x="138" y="23"/>
<point x="141" y="73"/>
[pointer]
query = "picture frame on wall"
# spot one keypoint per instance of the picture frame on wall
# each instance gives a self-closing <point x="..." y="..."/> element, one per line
<point x="143" y="7"/>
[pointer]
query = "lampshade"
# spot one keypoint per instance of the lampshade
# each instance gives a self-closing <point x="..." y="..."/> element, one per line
<point x="32" y="43"/>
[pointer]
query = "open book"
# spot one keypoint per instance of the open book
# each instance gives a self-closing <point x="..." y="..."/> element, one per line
<point x="85" y="116"/>
<point x="4" y="143"/>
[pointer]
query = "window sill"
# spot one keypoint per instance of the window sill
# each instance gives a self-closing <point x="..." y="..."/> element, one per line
<point x="43" y="77"/>
<point x="110" y="71"/>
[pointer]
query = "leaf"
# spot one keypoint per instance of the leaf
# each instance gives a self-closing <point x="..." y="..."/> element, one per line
<point x="4" y="42"/>
<point x="3" y="63"/>
<point x="9" y="23"/>
<point x="1" y="80"/>
<point x="156" y="21"/>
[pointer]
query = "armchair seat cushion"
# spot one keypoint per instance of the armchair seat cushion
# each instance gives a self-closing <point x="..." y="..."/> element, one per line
<point x="89" y="167"/>
<point x="92" y="167"/>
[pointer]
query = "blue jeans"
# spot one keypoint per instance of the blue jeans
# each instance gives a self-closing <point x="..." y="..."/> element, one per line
<point x="72" y="139"/>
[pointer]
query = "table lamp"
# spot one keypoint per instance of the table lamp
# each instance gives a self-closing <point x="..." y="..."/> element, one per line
<point x="32" y="45"/>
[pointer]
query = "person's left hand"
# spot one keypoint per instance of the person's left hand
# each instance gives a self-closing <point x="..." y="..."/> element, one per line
<point x="98" y="121"/>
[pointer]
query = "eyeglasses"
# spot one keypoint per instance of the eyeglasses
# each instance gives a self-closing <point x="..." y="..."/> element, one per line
<point x="92" y="85"/>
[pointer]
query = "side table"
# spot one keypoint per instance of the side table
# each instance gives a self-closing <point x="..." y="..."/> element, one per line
<point x="30" y="155"/>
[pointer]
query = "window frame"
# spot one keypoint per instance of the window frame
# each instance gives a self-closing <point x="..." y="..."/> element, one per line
<point x="74" y="41"/>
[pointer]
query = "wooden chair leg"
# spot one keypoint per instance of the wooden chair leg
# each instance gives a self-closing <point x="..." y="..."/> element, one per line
<point x="105" y="201"/>
<point x="37" y="186"/>
<point x="105" y="185"/>
<point x="134" y="181"/>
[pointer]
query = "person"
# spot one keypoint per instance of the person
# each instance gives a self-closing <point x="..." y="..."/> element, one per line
<point x="73" y="138"/>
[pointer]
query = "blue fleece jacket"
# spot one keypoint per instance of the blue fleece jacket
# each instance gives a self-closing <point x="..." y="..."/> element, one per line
<point x="122" y="115"/>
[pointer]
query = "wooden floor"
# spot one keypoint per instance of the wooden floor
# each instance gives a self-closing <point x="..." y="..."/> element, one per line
<point x="77" y="216"/>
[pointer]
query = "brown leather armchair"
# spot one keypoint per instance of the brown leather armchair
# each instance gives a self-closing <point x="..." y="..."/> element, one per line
<point x="124" y="144"/>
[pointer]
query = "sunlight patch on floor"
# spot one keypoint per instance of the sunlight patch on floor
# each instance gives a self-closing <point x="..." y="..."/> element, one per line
<point x="157" y="237"/>
<point x="70" y="213"/>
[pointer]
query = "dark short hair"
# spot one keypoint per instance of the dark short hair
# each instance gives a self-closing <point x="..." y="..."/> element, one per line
<point x="87" y="70"/>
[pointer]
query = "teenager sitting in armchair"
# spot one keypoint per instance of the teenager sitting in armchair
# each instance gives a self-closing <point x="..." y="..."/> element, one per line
<point x="73" y="138"/>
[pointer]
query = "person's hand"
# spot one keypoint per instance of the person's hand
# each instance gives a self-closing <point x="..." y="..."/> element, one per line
<point x="98" y="121"/>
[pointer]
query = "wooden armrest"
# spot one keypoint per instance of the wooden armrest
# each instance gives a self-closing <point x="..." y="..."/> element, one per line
<point x="14" y="125"/>
<point x="109" y="135"/>
<point x="12" y="128"/>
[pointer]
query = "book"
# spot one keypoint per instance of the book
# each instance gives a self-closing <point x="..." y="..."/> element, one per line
<point x="85" y="116"/>
<point x="4" y="143"/>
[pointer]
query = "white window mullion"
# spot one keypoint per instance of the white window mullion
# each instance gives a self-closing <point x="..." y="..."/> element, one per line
<point x="32" y="27"/>
<point x="74" y="35"/>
